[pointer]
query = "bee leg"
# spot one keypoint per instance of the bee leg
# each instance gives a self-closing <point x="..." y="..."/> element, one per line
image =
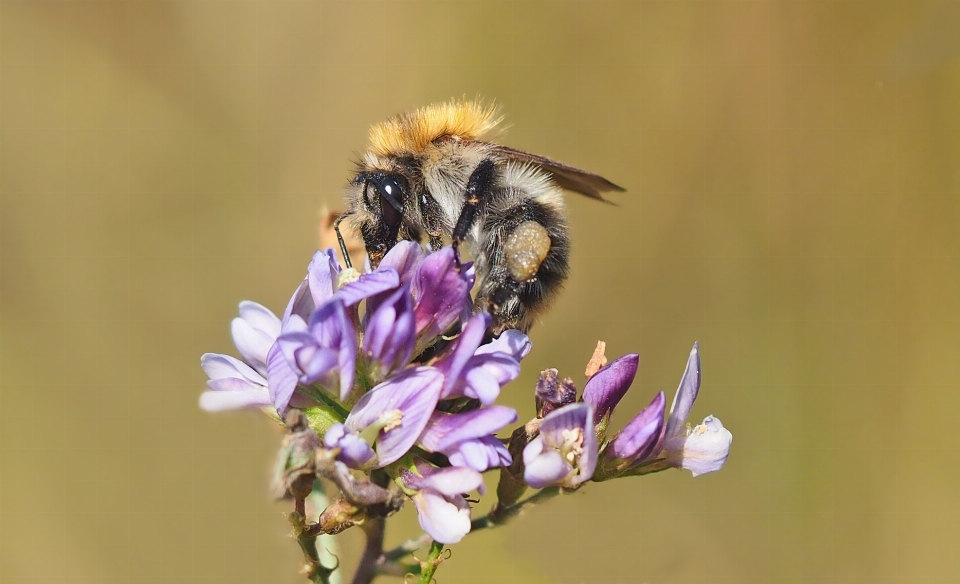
<point x="524" y="255"/>
<point x="479" y="187"/>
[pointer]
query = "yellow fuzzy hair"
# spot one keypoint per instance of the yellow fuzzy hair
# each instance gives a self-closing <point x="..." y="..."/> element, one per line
<point x="412" y="132"/>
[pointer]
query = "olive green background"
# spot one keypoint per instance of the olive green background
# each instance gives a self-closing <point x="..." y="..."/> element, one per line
<point x="793" y="171"/>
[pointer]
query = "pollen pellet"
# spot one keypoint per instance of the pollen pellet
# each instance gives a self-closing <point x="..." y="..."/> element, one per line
<point x="525" y="250"/>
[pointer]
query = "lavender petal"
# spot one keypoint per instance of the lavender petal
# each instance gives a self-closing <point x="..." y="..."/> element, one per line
<point x="686" y="393"/>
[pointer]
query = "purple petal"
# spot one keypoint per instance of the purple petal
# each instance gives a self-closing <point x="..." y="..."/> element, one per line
<point x="442" y="294"/>
<point x="463" y="350"/>
<point x="606" y="387"/>
<point x="480" y="454"/>
<point x="511" y="342"/>
<point x="570" y="417"/>
<point x="404" y="257"/>
<point x="446" y="522"/>
<point x="449" y="481"/>
<point x="686" y="393"/>
<point x="282" y="379"/>
<point x="322" y="274"/>
<point x="637" y="440"/>
<point x="445" y="430"/>
<point x="543" y="466"/>
<point x="218" y="366"/>
<point x="367" y="285"/>
<point x="389" y="334"/>
<point x="334" y="330"/>
<point x="414" y="393"/>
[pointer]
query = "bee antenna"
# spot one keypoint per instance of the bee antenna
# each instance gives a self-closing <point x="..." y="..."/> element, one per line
<point x="343" y="244"/>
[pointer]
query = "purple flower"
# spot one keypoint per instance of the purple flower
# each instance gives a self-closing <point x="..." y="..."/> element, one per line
<point x="324" y="352"/>
<point x="479" y="372"/>
<point x="565" y="452"/>
<point x="438" y="495"/>
<point x="389" y="334"/>
<point x="233" y="384"/>
<point x="606" y="387"/>
<point x="441" y="294"/>
<point x="394" y="413"/>
<point x="467" y="439"/>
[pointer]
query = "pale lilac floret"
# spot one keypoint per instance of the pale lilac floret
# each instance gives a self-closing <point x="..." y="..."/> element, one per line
<point x="704" y="448"/>
<point x="606" y="387"/>
<point x="397" y="410"/>
<point x="438" y="495"/>
<point x="468" y="439"/>
<point x="565" y="452"/>
<point x="233" y="384"/>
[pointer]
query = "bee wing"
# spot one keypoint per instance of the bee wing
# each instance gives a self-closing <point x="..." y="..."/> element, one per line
<point x="568" y="177"/>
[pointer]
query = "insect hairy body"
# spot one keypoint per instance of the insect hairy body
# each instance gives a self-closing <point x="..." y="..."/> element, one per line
<point x="429" y="174"/>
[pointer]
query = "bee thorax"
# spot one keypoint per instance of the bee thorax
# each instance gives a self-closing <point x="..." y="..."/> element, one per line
<point x="525" y="250"/>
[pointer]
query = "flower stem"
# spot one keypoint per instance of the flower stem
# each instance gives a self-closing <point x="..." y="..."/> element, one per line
<point x="307" y="539"/>
<point x="374" y="530"/>
<point x="429" y="566"/>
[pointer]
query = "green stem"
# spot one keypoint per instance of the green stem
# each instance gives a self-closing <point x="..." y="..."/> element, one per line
<point x="322" y="397"/>
<point x="429" y="566"/>
<point x="307" y="539"/>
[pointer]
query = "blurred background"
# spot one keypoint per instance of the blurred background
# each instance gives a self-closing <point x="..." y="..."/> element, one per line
<point x="793" y="171"/>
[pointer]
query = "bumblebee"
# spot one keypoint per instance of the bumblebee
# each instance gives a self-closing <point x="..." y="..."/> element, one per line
<point x="430" y="174"/>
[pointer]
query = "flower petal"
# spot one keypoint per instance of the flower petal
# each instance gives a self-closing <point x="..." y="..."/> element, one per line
<point x="441" y="293"/>
<point x="282" y="379"/>
<point x="686" y="393"/>
<point x="637" y="440"/>
<point x="511" y="342"/>
<point x="449" y="481"/>
<point x="414" y="393"/>
<point x="463" y="349"/>
<point x="220" y="401"/>
<point x="445" y="430"/>
<point x="322" y="274"/>
<point x="218" y="366"/>
<point x="543" y="466"/>
<point x="606" y="387"/>
<point x="404" y="257"/>
<point x="367" y="285"/>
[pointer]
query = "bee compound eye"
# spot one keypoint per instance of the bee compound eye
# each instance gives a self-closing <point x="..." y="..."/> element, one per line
<point x="392" y="190"/>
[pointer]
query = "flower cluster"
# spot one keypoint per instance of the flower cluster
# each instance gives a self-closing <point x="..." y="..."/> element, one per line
<point x="387" y="382"/>
<point x="382" y="386"/>
<point x="573" y="447"/>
